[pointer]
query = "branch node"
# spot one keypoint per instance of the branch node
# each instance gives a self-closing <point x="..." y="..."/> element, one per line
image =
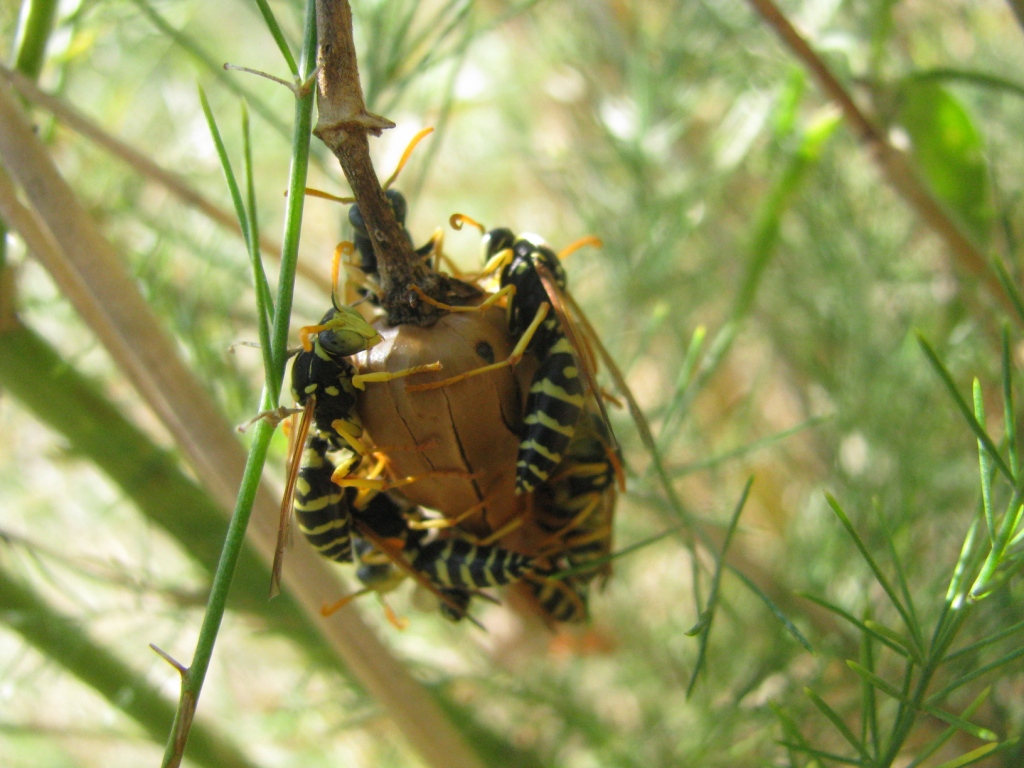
<point x="182" y="669"/>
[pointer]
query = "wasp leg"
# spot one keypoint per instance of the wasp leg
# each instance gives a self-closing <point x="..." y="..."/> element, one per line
<point x="511" y="360"/>
<point x="360" y="380"/>
<point x="571" y="248"/>
<point x="406" y="155"/>
<point x="273" y="417"/>
<point x="383" y="484"/>
<point x="449" y="522"/>
<point x="508" y="290"/>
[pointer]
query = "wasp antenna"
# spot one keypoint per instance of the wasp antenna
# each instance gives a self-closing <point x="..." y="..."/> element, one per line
<point x="571" y="248"/>
<point x="312" y="192"/>
<point x="459" y="220"/>
<point x="407" y="154"/>
<point x="344" y="248"/>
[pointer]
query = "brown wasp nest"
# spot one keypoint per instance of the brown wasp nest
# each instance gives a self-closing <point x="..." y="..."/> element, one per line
<point x="469" y="429"/>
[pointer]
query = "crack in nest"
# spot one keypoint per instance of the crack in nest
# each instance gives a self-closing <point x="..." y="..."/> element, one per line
<point x="465" y="459"/>
<point x="412" y="435"/>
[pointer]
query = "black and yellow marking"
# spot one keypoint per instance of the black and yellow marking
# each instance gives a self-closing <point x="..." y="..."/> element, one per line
<point x="553" y="408"/>
<point x="457" y="563"/>
<point x="575" y="506"/>
<point x="322" y="509"/>
<point x="563" y="600"/>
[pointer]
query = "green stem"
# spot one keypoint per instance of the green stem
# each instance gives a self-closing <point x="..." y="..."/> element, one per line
<point x="33" y="37"/>
<point x="296" y="199"/>
<point x="31" y="52"/>
<point x="193" y="678"/>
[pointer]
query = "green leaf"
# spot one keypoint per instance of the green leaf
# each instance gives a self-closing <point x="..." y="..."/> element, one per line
<point x="837" y="721"/>
<point x="971" y="757"/>
<point x="949" y="151"/>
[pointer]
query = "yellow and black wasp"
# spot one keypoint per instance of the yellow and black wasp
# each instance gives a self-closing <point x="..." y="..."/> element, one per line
<point x="363" y="245"/>
<point x="575" y="509"/>
<point x="534" y="281"/>
<point x="336" y="509"/>
<point x="568" y="458"/>
<point x="380" y="533"/>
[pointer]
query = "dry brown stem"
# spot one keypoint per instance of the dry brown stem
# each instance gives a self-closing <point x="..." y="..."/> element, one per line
<point x="894" y="165"/>
<point x="344" y="125"/>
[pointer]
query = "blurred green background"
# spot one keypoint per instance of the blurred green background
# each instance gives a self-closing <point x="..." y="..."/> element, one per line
<point x="760" y="284"/>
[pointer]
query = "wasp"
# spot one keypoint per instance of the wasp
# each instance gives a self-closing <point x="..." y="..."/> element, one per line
<point x="337" y="512"/>
<point x="575" y="508"/>
<point x="388" y="539"/>
<point x="533" y="281"/>
<point x="576" y="505"/>
<point x="568" y="458"/>
<point x="363" y="245"/>
<point x="324" y="386"/>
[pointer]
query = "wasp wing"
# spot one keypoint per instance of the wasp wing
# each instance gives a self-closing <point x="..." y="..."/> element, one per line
<point x="562" y="302"/>
<point x="297" y="442"/>
<point x="646" y="436"/>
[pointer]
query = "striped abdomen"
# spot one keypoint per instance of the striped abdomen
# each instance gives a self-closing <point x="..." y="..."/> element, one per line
<point x="458" y="563"/>
<point x="553" y="407"/>
<point x="458" y="608"/>
<point x="562" y="600"/>
<point x="323" y="509"/>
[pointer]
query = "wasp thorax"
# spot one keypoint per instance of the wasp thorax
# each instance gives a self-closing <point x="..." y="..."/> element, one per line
<point x="468" y="429"/>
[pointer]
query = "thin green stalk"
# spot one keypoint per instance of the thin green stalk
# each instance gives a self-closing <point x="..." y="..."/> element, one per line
<point x="981" y="79"/>
<point x="879" y="576"/>
<point x="33" y="37"/>
<point x="996" y="555"/>
<point x="869" y="701"/>
<point x="775" y="610"/>
<point x="703" y="629"/>
<point x="1009" y="419"/>
<point x="961" y="404"/>
<point x="840" y="726"/>
<point x="194" y="676"/>
<point x="973" y="648"/>
<point x="250" y="230"/>
<point x="946" y="735"/>
<point x="278" y="35"/>
<point x="264" y="300"/>
<point x="293" y="210"/>
<point x="895" y="645"/>
<point x="986" y="485"/>
<point x="975" y="674"/>
<point x="1010" y="286"/>
<point x="28" y="59"/>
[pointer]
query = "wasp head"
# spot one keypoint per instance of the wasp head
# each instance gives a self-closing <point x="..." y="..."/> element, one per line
<point x="344" y="332"/>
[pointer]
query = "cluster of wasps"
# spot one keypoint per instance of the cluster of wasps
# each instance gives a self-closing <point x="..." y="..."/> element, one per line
<point x="530" y="499"/>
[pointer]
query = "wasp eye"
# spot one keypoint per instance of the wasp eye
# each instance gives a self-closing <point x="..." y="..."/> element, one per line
<point x="498" y="240"/>
<point x="342" y="342"/>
